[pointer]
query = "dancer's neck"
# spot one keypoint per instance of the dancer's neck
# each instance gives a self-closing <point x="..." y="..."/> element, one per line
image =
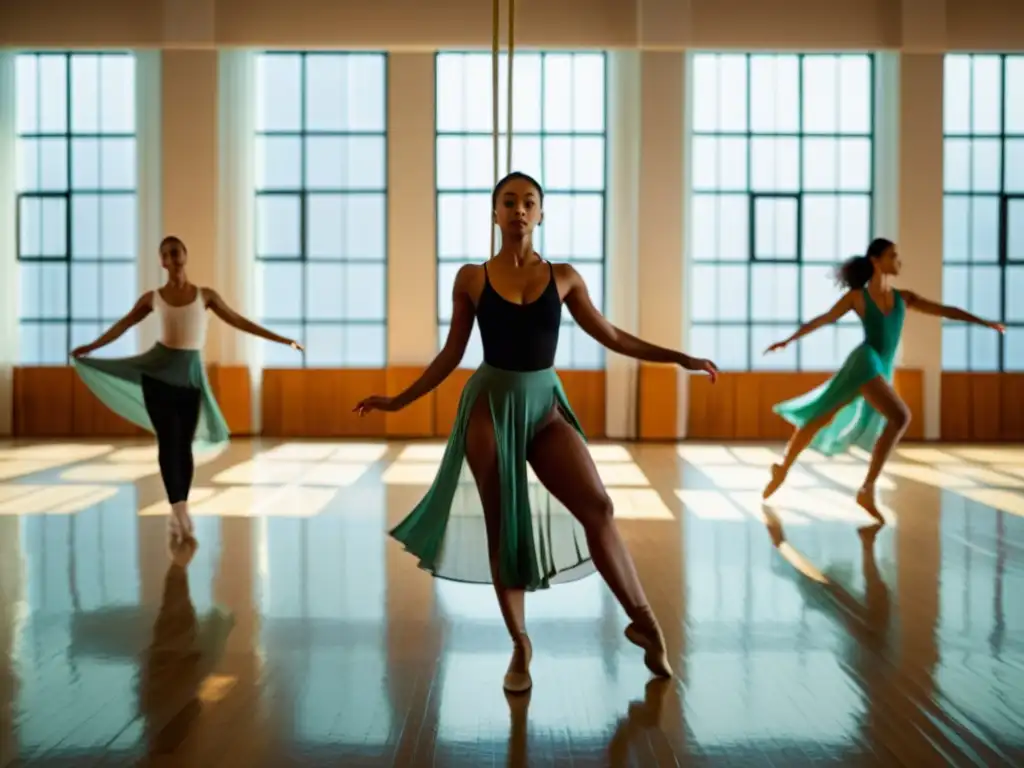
<point x="177" y="280"/>
<point x="518" y="253"/>
<point x="880" y="283"/>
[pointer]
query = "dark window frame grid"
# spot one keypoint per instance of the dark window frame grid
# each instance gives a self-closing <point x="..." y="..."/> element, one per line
<point x="541" y="134"/>
<point x="799" y="193"/>
<point x="1003" y="199"/>
<point x="69" y="136"/>
<point x="303" y="193"/>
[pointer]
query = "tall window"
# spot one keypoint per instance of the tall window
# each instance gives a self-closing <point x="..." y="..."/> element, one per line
<point x="983" y="214"/>
<point x="782" y="183"/>
<point x="558" y="137"/>
<point x="321" y="196"/>
<point x="77" y="213"/>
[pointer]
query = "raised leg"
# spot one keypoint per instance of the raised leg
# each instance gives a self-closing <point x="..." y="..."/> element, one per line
<point x="884" y="399"/>
<point x="482" y="457"/>
<point x="797" y="443"/>
<point x="562" y="463"/>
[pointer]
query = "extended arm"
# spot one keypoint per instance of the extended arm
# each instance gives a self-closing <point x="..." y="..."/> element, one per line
<point x="135" y="316"/>
<point x="926" y="307"/>
<point x="446" y="361"/>
<point x="596" y="325"/>
<point x="840" y="308"/>
<point x="235" y="320"/>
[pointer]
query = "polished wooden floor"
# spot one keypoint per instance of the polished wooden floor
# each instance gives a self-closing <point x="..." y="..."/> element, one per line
<point x="300" y="634"/>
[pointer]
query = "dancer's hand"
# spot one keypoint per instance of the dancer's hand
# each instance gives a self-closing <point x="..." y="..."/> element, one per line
<point x="296" y="346"/>
<point x="776" y="347"/>
<point x="699" y="364"/>
<point x="997" y="327"/>
<point x="375" y="403"/>
<point x="82" y="351"/>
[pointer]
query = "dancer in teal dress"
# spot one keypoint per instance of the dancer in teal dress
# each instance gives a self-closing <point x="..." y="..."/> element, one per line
<point x="165" y="390"/>
<point x="858" y="405"/>
<point x="488" y="525"/>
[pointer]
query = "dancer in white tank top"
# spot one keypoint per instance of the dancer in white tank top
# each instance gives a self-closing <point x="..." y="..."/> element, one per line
<point x="165" y="390"/>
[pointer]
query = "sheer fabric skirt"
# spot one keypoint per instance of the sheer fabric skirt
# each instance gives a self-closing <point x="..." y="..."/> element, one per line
<point x="541" y="543"/>
<point x="117" y="382"/>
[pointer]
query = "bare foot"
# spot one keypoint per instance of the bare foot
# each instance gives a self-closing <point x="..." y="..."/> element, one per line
<point x="517" y="678"/>
<point x="645" y="633"/>
<point x="778" y="478"/>
<point x="180" y="523"/>
<point x="866" y="500"/>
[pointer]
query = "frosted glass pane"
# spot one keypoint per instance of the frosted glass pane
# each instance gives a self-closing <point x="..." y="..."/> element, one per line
<point x="1014" y="179"/>
<point x="762" y="337"/>
<point x="53" y="93"/>
<point x="117" y="94"/>
<point x="278" y="92"/>
<point x="1013" y="345"/>
<point x="558" y="87"/>
<point x="955" y="286"/>
<point x="585" y="353"/>
<point x="54" y="227"/>
<point x="706" y="92"/>
<point x="986" y="286"/>
<point x="818" y="291"/>
<point x="325" y="346"/>
<point x="774" y="165"/>
<point x="733" y="228"/>
<point x="774" y="292"/>
<point x="985" y="165"/>
<point x="278" y="355"/>
<point x="278" y="162"/>
<point x="365" y="292"/>
<point x="30" y="225"/>
<point x="733" y="347"/>
<point x="85" y="226"/>
<point x="957" y="94"/>
<point x="1013" y="103"/>
<point x="821" y="164"/>
<point x="85" y="291"/>
<point x="366" y="226"/>
<point x="119" y="226"/>
<point x="26" y="87"/>
<point x="85" y="164"/>
<point x="956" y="228"/>
<point x="704" y="227"/>
<point x="983" y="348"/>
<point x="732" y="74"/>
<point x="593" y="278"/>
<point x="450" y="91"/>
<point x="855" y="85"/>
<point x="957" y="165"/>
<point x="588" y="163"/>
<point x="854" y="225"/>
<point x="855" y="165"/>
<point x="1015" y="230"/>
<point x="85" y="94"/>
<point x="277" y="226"/>
<point x="53" y="165"/>
<point x="588" y="90"/>
<point x="281" y="291"/>
<point x="1014" y="298"/>
<point x="731" y="293"/>
<point x="774" y="94"/>
<point x="775" y="224"/>
<point x="445" y="285"/>
<point x="44" y="290"/>
<point x="987" y="88"/>
<point x="365" y="346"/>
<point x="118" y="290"/>
<point x="820" y="225"/>
<point x="985" y="229"/>
<point x="325" y="226"/>
<point x="326" y="291"/>
<point x="821" y="94"/>
<point x="117" y="164"/>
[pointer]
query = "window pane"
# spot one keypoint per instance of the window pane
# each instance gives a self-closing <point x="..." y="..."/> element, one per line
<point x="775" y="221"/>
<point x="775" y="165"/>
<point x="821" y="94"/>
<point x="559" y="138"/>
<point x="956" y="228"/>
<point x="1014" y="178"/>
<point x="1014" y="299"/>
<point x="1013" y="104"/>
<point x="1015" y="230"/>
<point x="774" y="94"/>
<point x="774" y="292"/>
<point x="321" y="132"/>
<point x="88" y="152"/>
<point x="957" y="95"/>
<point x="1013" y="345"/>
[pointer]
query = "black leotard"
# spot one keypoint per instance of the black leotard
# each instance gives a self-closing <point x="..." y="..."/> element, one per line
<point x="519" y="337"/>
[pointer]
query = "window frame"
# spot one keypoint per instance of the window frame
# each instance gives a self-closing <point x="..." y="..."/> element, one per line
<point x="302" y="192"/>
<point x="1003" y="198"/>
<point x="541" y="134"/>
<point x="69" y="136"/>
<point x="800" y="192"/>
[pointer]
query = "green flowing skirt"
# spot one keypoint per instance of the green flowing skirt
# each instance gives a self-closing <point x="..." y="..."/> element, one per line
<point x="541" y="543"/>
<point x="117" y="382"/>
<point x="855" y="422"/>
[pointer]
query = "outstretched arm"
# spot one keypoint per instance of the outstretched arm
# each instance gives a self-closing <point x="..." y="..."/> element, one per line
<point x="840" y="308"/>
<point x="447" y="360"/>
<point x="926" y="307"/>
<point x="596" y="325"/>
<point x="235" y="320"/>
<point x="135" y="316"/>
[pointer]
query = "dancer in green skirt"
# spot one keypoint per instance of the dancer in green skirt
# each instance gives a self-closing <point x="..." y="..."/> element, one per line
<point x="858" y="405"/>
<point x="498" y="528"/>
<point x="165" y="390"/>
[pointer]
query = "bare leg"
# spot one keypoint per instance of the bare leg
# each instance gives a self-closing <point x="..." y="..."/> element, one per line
<point x="797" y="443"/>
<point x="482" y="457"/>
<point x="562" y="463"/>
<point x="883" y="398"/>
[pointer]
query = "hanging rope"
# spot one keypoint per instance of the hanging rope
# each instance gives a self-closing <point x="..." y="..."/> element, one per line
<point x="495" y="82"/>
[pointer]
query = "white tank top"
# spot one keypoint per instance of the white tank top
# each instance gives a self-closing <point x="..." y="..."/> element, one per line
<point x="182" y="327"/>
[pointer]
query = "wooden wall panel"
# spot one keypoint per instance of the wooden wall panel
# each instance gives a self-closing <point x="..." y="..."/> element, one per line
<point x="319" y="402"/>
<point x="44" y="402"/>
<point x="659" y="401"/>
<point x="982" y="407"/>
<point x="418" y="419"/>
<point x="739" y="405"/>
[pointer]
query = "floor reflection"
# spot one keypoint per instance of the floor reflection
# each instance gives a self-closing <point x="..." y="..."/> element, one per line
<point x="298" y="633"/>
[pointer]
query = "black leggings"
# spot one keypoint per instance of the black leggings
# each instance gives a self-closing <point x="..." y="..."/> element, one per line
<point x="174" y="412"/>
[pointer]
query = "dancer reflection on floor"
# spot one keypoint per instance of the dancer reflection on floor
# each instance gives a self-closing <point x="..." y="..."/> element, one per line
<point x="858" y="405"/>
<point x="165" y="390"/>
<point x="513" y="410"/>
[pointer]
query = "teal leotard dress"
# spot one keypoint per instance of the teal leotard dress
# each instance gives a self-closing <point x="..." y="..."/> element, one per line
<point x="856" y="422"/>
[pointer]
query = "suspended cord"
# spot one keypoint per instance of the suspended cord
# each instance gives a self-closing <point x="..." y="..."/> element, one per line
<point x="495" y="82"/>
